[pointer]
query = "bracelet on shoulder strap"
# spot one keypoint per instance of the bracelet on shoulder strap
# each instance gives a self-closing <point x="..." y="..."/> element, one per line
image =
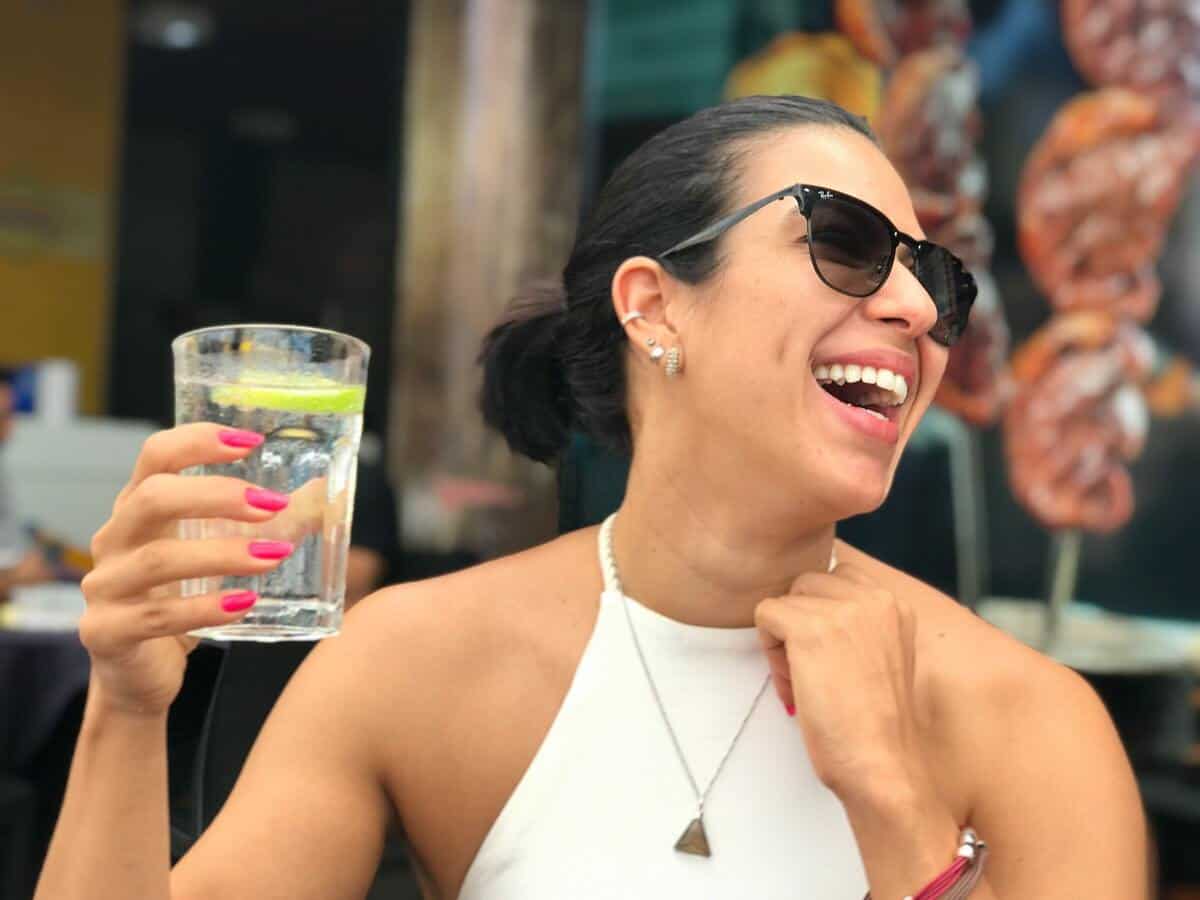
<point x="961" y="877"/>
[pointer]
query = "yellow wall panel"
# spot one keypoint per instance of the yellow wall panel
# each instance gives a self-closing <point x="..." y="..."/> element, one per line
<point x="61" y="88"/>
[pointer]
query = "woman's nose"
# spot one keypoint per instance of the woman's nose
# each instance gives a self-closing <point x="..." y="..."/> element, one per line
<point x="902" y="302"/>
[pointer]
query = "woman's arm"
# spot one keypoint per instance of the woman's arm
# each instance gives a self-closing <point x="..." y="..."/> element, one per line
<point x="1056" y="800"/>
<point x="1048" y="784"/>
<point x="906" y="837"/>
<point x="307" y="817"/>
<point x="305" y="821"/>
<point x="111" y="839"/>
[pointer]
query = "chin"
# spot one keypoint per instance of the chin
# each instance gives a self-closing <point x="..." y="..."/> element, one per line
<point x="865" y="497"/>
<point x="854" y="488"/>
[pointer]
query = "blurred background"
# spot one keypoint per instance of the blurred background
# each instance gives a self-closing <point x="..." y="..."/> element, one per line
<point x="394" y="170"/>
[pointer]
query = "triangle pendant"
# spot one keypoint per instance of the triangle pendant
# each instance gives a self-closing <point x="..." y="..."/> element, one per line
<point x="694" y="840"/>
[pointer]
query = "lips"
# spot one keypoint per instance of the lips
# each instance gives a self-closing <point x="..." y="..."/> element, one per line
<point x="885" y="429"/>
<point x="868" y="387"/>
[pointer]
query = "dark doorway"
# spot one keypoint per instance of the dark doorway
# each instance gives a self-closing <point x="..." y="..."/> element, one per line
<point x="259" y="181"/>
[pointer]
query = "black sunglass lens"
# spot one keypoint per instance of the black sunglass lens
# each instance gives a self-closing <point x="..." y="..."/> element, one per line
<point x="952" y="288"/>
<point x="851" y="247"/>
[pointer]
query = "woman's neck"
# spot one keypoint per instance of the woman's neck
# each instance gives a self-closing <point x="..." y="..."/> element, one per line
<point x="709" y="563"/>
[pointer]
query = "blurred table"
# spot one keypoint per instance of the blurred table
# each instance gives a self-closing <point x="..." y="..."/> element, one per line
<point x="64" y="477"/>
<point x="43" y="668"/>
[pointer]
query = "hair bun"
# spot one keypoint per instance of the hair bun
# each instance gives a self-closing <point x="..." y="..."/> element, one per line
<point x="525" y="395"/>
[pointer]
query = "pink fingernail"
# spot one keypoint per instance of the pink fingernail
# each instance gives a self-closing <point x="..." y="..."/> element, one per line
<point x="791" y="709"/>
<point x="271" y="549"/>
<point x="240" y="439"/>
<point x="238" y="601"/>
<point x="264" y="499"/>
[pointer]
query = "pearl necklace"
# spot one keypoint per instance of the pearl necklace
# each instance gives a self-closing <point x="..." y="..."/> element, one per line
<point x="694" y="840"/>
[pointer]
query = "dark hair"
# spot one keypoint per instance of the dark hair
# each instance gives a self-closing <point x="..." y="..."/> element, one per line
<point x="556" y="359"/>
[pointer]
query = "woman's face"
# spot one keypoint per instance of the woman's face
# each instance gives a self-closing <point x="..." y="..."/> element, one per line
<point x="755" y="332"/>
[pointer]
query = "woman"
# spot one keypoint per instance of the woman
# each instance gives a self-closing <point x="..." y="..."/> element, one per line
<point x="775" y="715"/>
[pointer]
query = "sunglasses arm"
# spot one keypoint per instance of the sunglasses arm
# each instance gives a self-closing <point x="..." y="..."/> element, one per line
<point x="719" y="227"/>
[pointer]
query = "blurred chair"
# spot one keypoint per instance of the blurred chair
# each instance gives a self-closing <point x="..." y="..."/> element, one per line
<point x="374" y="558"/>
<point x="227" y="694"/>
<point x="18" y="806"/>
<point x="188" y="736"/>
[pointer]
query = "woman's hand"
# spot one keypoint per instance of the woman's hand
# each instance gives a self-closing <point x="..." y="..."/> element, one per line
<point x="136" y="623"/>
<point x="841" y="650"/>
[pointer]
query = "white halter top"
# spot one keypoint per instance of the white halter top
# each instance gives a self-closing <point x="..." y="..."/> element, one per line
<point x="597" y="813"/>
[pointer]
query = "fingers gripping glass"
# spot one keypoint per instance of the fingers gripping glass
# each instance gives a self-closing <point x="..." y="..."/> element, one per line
<point x="853" y="246"/>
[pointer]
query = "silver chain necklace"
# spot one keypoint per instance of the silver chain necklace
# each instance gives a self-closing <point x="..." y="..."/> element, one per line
<point x="694" y="840"/>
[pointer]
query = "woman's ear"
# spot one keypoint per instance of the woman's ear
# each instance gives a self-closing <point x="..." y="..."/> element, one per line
<point x="641" y="286"/>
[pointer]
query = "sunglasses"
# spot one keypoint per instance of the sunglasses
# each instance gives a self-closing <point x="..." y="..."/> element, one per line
<point x="853" y="245"/>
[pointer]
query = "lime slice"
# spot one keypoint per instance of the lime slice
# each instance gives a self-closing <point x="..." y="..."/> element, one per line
<point x="294" y="393"/>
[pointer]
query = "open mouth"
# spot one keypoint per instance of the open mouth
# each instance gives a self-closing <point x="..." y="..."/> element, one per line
<point x="880" y="392"/>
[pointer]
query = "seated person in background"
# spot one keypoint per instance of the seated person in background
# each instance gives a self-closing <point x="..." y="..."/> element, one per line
<point x="19" y="565"/>
<point x="374" y="535"/>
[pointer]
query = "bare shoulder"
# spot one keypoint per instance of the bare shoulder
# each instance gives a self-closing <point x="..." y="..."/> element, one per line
<point x="490" y="614"/>
<point x="983" y="674"/>
<point x="1031" y="750"/>
<point x="470" y="670"/>
<point x="958" y="643"/>
<point x="412" y="709"/>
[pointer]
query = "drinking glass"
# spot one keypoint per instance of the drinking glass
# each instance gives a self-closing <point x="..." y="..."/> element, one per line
<point x="302" y="389"/>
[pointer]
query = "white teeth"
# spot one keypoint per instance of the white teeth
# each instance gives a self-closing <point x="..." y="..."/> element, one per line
<point x="893" y="387"/>
<point x="877" y="415"/>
